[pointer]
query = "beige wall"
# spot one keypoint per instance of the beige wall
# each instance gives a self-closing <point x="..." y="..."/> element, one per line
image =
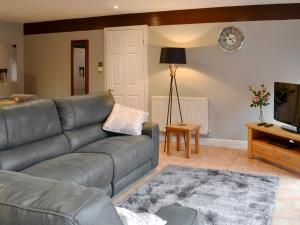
<point x="12" y="33"/>
<point x="48" y="62"/>
<point x="271" y="53"/>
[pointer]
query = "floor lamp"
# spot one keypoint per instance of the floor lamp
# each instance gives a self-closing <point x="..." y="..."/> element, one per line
<point x="173" y="57"/>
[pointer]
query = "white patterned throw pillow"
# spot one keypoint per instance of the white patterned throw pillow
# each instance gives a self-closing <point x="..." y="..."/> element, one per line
<point x="125" y="120"/>
<point x="130" y="218"/>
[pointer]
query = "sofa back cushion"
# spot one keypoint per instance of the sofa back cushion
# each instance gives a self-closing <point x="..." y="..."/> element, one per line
<point x="79" y="111"/>
<point x="29" y="122"/>
<point x="27" y="155"/>
<point x="3" y="133"/>
<point x="82" y="117"/>
<point x="30" y="133"/>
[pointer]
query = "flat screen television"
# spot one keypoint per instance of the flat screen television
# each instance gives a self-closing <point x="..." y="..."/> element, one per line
<point x="287" y="105"/>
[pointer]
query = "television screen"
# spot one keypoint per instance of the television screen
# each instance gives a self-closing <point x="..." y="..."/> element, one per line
<point x="287" y="103"/>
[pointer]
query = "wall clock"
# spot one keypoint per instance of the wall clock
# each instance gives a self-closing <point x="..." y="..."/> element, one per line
<point x="231" y="39"/>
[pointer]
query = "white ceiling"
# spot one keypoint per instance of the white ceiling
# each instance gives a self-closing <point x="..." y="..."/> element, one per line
<point x="24" y="11"/>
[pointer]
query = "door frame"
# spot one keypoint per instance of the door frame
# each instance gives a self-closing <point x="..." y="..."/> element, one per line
<point x="86" y="71"/>
<point x="145" y="57"/>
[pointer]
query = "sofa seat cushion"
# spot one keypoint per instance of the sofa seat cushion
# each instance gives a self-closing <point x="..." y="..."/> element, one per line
<point x="91" y="170"/>
<point x="127" y="152"/>
<point x="27" y="155"/>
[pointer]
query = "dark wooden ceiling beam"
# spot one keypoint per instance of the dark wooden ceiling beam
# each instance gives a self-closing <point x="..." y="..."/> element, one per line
<point x="189" y="16"/>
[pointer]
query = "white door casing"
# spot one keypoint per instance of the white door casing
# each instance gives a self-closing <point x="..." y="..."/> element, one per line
<point x="126" y="70"/>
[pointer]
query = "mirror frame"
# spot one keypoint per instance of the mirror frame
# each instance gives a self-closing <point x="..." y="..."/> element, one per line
<point x="86" y="71"/>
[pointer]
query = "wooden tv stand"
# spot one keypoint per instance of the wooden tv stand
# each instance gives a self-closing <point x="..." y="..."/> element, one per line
<point x="259" y="145"/>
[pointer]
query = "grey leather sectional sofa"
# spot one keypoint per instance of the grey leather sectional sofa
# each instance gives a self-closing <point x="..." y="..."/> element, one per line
<point x="58" y="167"/>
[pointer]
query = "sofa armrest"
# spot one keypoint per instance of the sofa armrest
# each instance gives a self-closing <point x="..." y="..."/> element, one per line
<point x="178" y="215"/>
<point x="28" y="200"/>
<point x="152" y="130"/>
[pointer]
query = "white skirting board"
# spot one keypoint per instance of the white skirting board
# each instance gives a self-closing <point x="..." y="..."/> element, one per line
<point x="238" y="144"/>
<point x="224" y="143"/>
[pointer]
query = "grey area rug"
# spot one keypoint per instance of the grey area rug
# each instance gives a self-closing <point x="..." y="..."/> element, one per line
<point x="221" y="197"/>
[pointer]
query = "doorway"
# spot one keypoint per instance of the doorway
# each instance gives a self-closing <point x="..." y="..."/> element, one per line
<point x="126" y="65"/>
<point x="79" y="67"/>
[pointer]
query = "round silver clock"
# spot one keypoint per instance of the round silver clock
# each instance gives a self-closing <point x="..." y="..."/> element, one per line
<point x="231" y="39"/>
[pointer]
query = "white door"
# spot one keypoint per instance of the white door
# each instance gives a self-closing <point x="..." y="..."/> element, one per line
<point x="126" y="65"/>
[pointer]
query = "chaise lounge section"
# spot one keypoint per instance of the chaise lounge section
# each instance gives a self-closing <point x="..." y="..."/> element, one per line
<point x="28" y="200"/>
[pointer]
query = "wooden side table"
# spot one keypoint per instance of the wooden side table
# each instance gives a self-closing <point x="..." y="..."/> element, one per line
<point x="183" y="129"/>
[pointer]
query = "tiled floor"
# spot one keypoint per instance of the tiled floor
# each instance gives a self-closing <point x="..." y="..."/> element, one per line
<point x="287" y="211"/>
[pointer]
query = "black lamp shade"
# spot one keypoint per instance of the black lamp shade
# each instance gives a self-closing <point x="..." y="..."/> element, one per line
<point x="172" y="56"/>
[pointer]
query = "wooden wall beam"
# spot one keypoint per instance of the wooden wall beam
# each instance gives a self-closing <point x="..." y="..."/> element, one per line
<point x="189" y="16"/>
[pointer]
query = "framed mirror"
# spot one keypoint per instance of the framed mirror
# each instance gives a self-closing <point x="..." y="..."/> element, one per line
<point x="79" y="67"/>
<point x="8" y="63"/>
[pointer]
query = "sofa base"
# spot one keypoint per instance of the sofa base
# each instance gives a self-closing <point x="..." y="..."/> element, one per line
<point x="131" y="177"/>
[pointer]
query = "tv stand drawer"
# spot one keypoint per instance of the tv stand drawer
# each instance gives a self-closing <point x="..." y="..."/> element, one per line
<point x="262" y="148"/>
<point x="259" y="145"/>
<point x="287" y="157"/>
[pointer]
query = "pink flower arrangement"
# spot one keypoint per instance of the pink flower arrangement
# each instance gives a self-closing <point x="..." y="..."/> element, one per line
<point x="261" y="97"/>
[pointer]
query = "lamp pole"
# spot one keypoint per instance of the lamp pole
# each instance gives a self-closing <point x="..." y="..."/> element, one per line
<point x="173" y="57"/>
<point x="173" y="68"/>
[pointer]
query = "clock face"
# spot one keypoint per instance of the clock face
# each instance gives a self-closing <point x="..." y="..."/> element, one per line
<point x="231" y="39"/>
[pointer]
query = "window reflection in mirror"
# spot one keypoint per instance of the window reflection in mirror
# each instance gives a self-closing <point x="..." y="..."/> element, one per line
<point x="79" y="67"/>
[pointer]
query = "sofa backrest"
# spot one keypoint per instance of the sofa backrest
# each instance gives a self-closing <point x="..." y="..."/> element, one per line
<point x="3" y="134"/>
<point x="30" y="133"/>
<point x="82" y="117"/>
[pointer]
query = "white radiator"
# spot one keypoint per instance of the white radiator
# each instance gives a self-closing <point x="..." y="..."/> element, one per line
<point x="194" y="110"/>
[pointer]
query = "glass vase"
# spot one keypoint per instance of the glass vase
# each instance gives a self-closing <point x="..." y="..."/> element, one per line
<point x="261" y="116"/>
